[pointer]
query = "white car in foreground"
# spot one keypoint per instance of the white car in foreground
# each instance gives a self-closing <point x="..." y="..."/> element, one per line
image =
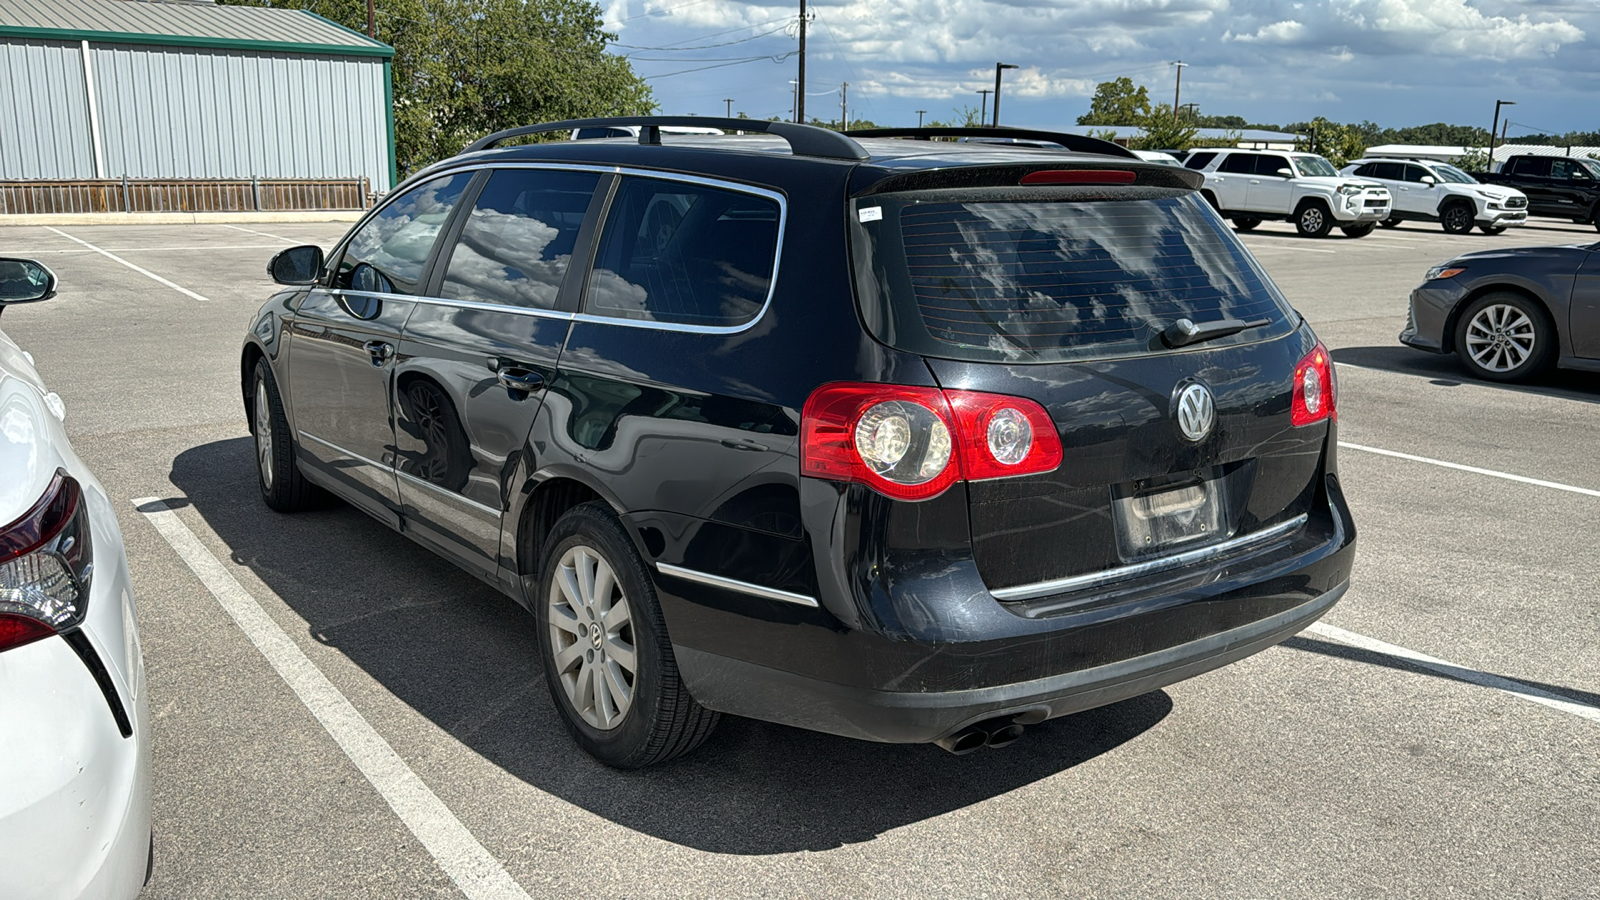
<point x="74" y="732"/>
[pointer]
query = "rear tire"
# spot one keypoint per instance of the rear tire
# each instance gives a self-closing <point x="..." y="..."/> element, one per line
<point x="1505" y="336"/>
<point x="1246" y="223"/>
<point x="597" y="613"/>
<point x="277" y="473"/>
<point x="1390" y="223"/>
<point x="1456" y="218"/>
<point x="1313" y="220"/>
<point x="1358" y="231"/>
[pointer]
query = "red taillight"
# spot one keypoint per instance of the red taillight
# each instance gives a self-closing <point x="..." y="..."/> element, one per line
<point x="911" y="443"/>
<point x="1080" y="176"/>
<point x="1316" y="392"/>
<point x="44" y="566"/>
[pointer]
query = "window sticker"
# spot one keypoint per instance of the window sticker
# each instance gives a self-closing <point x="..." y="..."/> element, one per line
<point x="871" y="213"/>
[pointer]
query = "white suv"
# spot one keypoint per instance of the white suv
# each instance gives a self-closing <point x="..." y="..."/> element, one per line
<point x="1249" y="186"/>
<point x="1427" y="191"/>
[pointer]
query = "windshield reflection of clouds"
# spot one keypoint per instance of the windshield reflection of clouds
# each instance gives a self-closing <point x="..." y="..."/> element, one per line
<point x="1027" y="277"/>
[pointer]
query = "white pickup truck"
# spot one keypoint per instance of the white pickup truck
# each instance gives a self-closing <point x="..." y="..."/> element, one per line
<point x="1249" y="186"/>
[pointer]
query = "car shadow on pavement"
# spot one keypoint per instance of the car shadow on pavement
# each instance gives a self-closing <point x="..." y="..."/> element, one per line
<point x="1443" y="370"/>
<point x="464" y="656"/>
<point x="1370" y="657"/>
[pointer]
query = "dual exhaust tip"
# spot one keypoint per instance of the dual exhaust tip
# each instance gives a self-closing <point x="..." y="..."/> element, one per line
<point x="993" y="733"/>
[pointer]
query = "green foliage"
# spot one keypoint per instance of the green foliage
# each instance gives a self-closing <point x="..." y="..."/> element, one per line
<point x="1476" y="160"/>
<point x="1163" y="132"/>
<point x="1339" y="143"/>
<point x="1117" y="103"/>
<point x="465" y="68"/>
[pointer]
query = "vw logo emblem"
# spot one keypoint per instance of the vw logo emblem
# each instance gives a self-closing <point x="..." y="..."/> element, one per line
<point x="1196" y="412"/>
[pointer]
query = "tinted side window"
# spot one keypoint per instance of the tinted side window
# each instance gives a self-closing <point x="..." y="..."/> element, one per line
<point x="1415" y="174"/>
<point x="1536" y="166"/>
<point x="1269" y="165"/>
<point x="1239" y="164"/>
<point x="387" y="253"/>
<point x="685" y="254"/>
<point x="1370" y="170"/>
<point x="1567" y="169"/>
<point x="1199" y="160"/>
<point x="518" y="240"/>
<point x="1388" y="171"/>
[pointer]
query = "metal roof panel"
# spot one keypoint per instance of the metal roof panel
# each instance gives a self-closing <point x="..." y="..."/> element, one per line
<point x="187" y="24"/>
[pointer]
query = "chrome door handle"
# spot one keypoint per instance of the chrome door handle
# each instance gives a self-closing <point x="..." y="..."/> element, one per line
<point x="1255" y="181"/>
<point x="380" y="352"/>
<point x="518" y="379"/>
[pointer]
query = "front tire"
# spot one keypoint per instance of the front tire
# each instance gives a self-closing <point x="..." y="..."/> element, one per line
<point x="277" y="473"/>
<point x="1456" y="219"/>
<point x="1246" y="223"/>
<point x="1313" y="220"/>
<point x="1358" y="231"/>
<point x="1505" y="337"/>
<point x="605" y="650"/>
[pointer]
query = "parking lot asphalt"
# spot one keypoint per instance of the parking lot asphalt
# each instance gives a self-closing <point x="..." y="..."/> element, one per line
<point x="1438" y="735"/>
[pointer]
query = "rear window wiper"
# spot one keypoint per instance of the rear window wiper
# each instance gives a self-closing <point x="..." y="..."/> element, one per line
<point x="1184" y="332"/>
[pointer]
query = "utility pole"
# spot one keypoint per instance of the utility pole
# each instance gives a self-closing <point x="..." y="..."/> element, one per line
<point x="1194" y="111"/>
<point x="844" y="106"/>
<point x="1496" y="126"/>
<point x="998" y="68"/>
<point x="1177" y="93"/>
<point x="729" y="102"/>
<point x="983" y="111"/>
<point x="372" y="31"/>
<point x="919" y="117"/>
<point x="800" y="86"/>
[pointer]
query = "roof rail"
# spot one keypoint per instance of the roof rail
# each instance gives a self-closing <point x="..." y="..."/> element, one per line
<point x="1070" y="141"/>
<point x="804" y="140"/>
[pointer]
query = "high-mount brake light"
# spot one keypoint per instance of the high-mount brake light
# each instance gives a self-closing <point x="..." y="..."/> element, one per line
<point x="45" y="564"/>
<point x="1316" y="389"/>
<point x="1080" y="176"/>
<point x="912" y="443"/>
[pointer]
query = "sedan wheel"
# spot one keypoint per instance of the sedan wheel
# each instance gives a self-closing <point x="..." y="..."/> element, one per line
<point x="591" y="638"/>
<point x="282" y="486"/>
<point x="1504" y="337"/>
<point x="263" y="435"/>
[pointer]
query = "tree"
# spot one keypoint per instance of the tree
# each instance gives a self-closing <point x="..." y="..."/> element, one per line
<point x="1339" y="143"/>
<point x="1117" y="103"/>
<point x="1475" y="160"/>
<point x="465" y="68"/>
<point x="1163" y="132"/>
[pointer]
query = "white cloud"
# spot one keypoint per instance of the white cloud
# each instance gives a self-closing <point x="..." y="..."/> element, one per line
<point x="1285" y="32"/>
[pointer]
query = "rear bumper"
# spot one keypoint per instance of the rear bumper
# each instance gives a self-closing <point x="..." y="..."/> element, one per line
<point x="744" y="688"/>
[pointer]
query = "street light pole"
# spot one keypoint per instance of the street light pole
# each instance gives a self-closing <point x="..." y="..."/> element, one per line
<point x="998" y="68"/>
<point x="1177" y="92"/>
<point x="729" y="113"/>
<point x="983" y="108"/>
<point x="919" y="117"/>
<point x="800" y="88"/>
<point x="1495" y="127"/>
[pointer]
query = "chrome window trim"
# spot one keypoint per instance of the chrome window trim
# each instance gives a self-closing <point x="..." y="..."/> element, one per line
<point x="453" y="495"/>
<point x="1149" y="567"/>
<point x="594" y="319"/>
<point x="733" y="584"/>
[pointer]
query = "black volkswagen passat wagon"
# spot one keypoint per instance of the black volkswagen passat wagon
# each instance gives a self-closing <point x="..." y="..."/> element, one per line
<point x="903" y="440"/>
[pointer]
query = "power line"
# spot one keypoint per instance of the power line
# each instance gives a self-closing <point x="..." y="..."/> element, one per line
<point x="776" y="59"/>
<point x="676" y="47"/>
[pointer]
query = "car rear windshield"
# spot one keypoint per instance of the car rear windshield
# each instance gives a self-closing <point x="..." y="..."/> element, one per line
<point x="1051" y="276"/>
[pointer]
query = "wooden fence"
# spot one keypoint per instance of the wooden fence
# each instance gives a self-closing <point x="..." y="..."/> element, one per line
<point x="181" y="195"/>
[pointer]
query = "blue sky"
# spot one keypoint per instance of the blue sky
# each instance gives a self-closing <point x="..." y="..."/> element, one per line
<point x="1395" y="62"/>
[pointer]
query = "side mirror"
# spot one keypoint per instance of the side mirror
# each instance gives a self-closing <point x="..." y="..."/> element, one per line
<point x="296" y="265"/>
<point x="1429" y="180"/>
<point x="25" y="281"/>
<point x="1286" y="172"/>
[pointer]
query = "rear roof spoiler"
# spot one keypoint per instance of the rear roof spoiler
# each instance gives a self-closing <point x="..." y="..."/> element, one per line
<point x="1075" y="142"/>
<point x="803" y="140"/>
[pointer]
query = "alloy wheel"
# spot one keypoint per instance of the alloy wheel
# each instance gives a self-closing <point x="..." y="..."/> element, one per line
<point x="264" y="434"/>
<point x="1500" y="338"/>
<point x="592" y="638"/>
<point x="1457" y="220"/>
<point x="1311" y="219"/>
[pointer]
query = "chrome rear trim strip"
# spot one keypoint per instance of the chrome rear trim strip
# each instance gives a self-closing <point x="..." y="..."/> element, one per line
<point x="743" y="587"/>
<point x="1175" y="561"/>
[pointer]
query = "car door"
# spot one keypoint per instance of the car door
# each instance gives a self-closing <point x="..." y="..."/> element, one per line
<point x="480" y="349"/>
<point x="342" y="350"/>
<point x="1231" y="181"/>
<point x="1271" y="191"/>
<point x="1584" y="315"/>
<point x="1570" y="188"/>
<point x="1533" y="178"/>
<point x="1411" y="194"/>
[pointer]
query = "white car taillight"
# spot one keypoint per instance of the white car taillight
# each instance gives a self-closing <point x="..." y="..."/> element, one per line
<point x="45" y="564"/>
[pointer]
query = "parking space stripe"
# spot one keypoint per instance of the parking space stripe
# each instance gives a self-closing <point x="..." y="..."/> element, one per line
<point x="1287" y="247"/>
<point x="1553" y="485"/>
<point x="145" y="272"/>
<point x="262" y="233"/>
<point x="1461" y="673"/>
<point x="473" y="869"/>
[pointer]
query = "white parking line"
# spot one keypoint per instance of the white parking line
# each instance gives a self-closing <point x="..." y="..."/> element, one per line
<point x="145" y="272"/>
<point x="474" y="870"/>
<point x="262" y="233"/>
<point x="1553" y="485"/>
<point x="1472" y="676"/>
<point x="165" y="249"/>
<point x="1276" y="246"/>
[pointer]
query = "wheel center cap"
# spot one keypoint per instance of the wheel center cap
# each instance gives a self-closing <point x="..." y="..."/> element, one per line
<point x="594" y="634"/>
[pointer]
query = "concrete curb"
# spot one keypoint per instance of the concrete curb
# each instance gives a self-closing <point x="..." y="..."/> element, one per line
<point x="183" y="218"/>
